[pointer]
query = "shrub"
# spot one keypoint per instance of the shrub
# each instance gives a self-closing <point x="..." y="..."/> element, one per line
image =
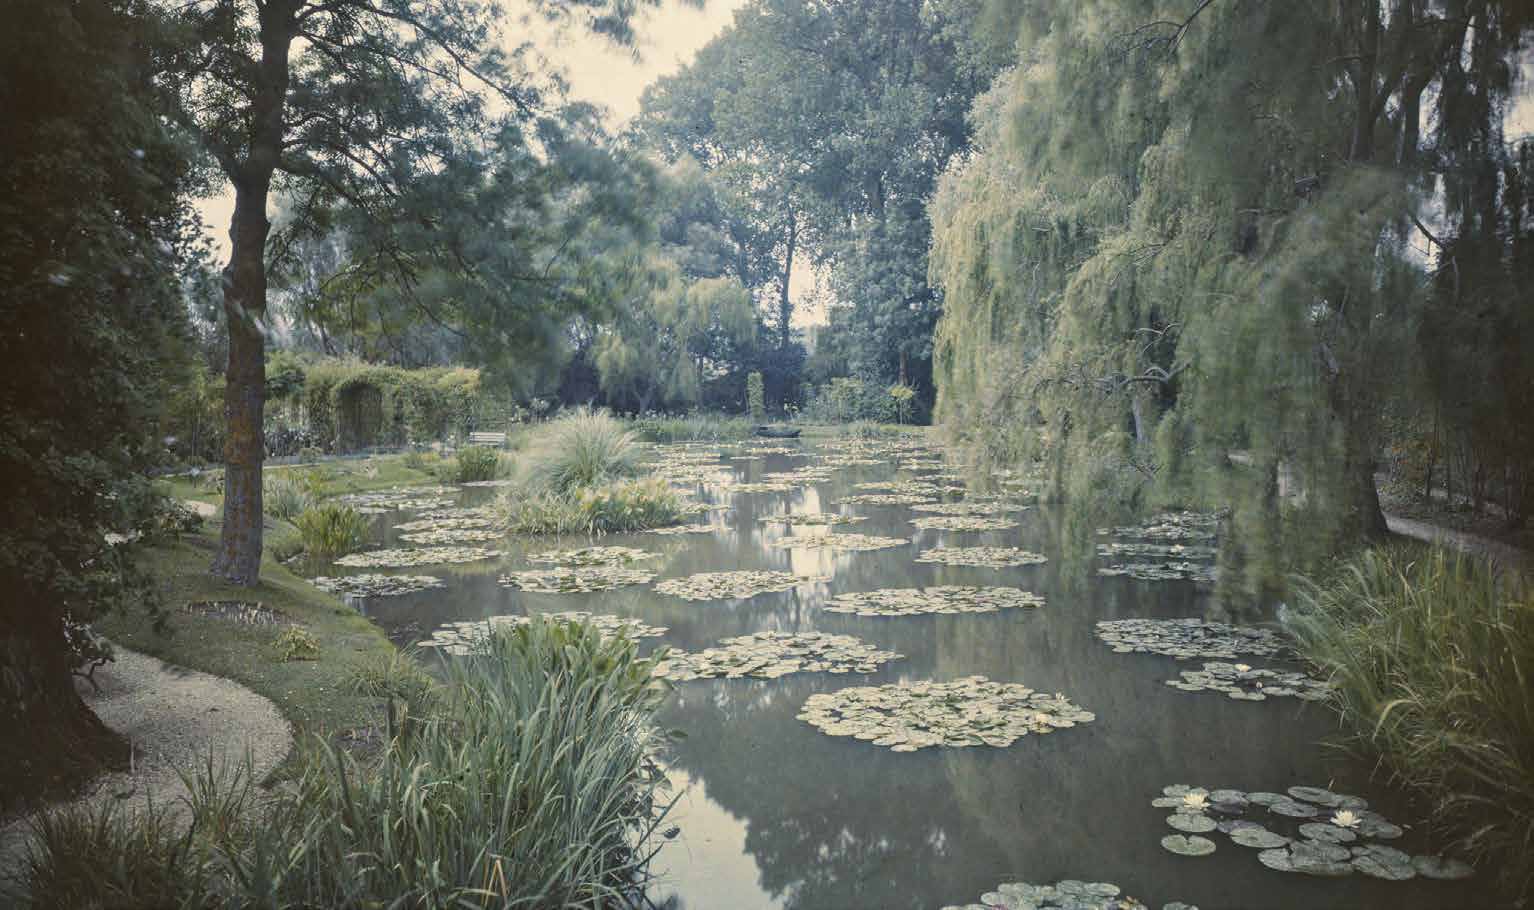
<point x="756" y="397"/>
<point x="285" y="496"/>
<point x="476" y="463"/>
<point x="528" y="779"/>
<point x="584" y="448"/>
<point x="1430" y="652"/>
<point x="297" y="643"/>
<point x="331" y="530"/>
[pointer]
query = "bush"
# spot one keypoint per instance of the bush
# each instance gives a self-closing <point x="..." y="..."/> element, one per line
<point x="635" y="505"/>
<point x="476" y="463"/>
<point x="529" y="779"/>
<point x="331" y="530"/>
<point x="845" y="399"/>
<point x="1430" y="652"/>
<point x="692" y="428"/>
<point x="584" y="448"/>
<point x="285" y="496"/>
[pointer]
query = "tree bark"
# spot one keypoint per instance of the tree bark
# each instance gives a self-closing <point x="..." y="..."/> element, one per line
<point x="785" y="305"/>
<point x="239" y="554"/>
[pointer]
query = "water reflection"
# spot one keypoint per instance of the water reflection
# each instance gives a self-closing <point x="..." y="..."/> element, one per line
<point x="776" y="814"/>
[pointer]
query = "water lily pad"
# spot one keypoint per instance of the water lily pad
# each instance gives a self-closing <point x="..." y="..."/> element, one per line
<point x="733" y="585"/>
<point x="672" y="530"/>
<point x="423" y="556"/>
<point x="592" y="556"/>
<point x="762" y="486"/>
<point x="401" y="498"/>
<point x="1065" y="895"/>
<point x="1242" y="682"/>
<point x="940" y="599"/>
<point x="1441" y="868"/>
<point x="449" y="536"/>
<point x="1318" y="795"/>
<point x="812" y="519"/>
<point x="769" y="655"/>
<point x="968" y="508"/>
<point x="981" y="557"/>
<point x="1162" y="571"/>
<point x="850" y="542"/>
<point x="1188" y="845"/>
<point x="884" y="499"/>
<point x="452" y="523"/>
<point x="466" y="637"/>
<point x="963" y="523"/>
<point x="575" y="580"/>
<point x="1291" y="808"/>
<point x="1188" y="638"/>
<point x="1191" y="822"/>
<point x="1327" y="833"/>
<point x="1257" y="837"/>
<point x="1380" y="861"/>
<point x="972" y="711"/>
<point x="1175" y="552"/>
<point x="1171" y="526"/>
<point x="376" y="585"/>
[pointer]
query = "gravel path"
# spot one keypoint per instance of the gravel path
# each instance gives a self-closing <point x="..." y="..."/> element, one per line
<point x="1499" y="554"/>
<point x="174" y="718"/>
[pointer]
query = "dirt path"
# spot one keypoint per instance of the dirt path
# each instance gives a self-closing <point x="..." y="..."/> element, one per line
<point x="174" y="718"/>
<point x="1499" y="554"/>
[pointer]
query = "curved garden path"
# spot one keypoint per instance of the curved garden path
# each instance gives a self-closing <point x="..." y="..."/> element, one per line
<point x="174" y="719"/>
<point x="1502" y="555"/>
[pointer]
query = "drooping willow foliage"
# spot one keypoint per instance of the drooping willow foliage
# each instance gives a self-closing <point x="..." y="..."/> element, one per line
<point x="1192" y="248"/>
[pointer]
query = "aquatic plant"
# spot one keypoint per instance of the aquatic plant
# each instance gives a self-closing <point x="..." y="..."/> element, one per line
<point x="971" y="711"/>
<point x="448" y="536"/>
<point x="939" y="599"/>
<point x="968" y="508"/>
<point x="579" y="450"/>
<point x="1429" y="654"/>
<point x="452" y="523"/>
<point x="460" y="638"/>
<point x="1246" y="683"/>
<point x="883" y="499"/>
<point x="811" y="519"/>
<point x="682" y="529"/>
<point x="576" y="579"/>
<point x="1162" y="571"/>
<point x="592" y="556"/>
<point x="634" y="505"/>
<point x="285" y="496"/>
<point x="1065" y="895"/>
<point x="768" y="655"/>
<point x="962" y="523"/>
<point x="851" y="542"/>
<point x="330" y="529"/>
<point x="421" y="556"/>
<point x="1188" y="638"/>
<point x="377" y="585"/>
<point x="476" y="464"/>
<point x="733" y="585"/>
<point x="981" y="557"/>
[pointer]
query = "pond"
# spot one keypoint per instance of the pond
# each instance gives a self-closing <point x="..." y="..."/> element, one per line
<point x="776" y="813"/>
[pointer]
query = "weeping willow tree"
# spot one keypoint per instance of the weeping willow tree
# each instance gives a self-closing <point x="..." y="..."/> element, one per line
<point x="1189" y="247"/>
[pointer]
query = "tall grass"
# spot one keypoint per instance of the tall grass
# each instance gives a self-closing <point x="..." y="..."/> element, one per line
<point x="286" y="496"/>
<point x="331" y="530"/>
<point x="475" y="463"/>
<point x="584" y="448"/>
<point x="1433" y="656"/>
<point x="530" y="782"/>
<point x="633" y="505"/>
<point x="692" y="428"/>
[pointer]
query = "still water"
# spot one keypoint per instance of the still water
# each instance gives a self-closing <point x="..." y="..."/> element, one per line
<point x="775" y="814"/>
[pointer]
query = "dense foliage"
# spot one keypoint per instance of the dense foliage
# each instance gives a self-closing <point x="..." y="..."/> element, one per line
<point x="1192" y="236"/>
<point x="95" y="232"/>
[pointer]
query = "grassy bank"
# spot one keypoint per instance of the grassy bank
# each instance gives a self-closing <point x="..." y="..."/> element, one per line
<point x="311" y="692"/>
<point x="1433" y="656"/>
<point x="527" y="779"/>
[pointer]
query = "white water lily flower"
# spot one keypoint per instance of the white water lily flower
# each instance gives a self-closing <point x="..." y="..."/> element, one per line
<point x="1346" y="819"/>
<point x="1196" y="801"/>
<point x="1242" y="668"/>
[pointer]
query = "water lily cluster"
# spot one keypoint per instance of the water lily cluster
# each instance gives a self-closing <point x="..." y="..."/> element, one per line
<point x="465" y="637"/>
<point x="963" y="523"/>
<point x="1065" y="895"/>
<point x="854" y="542"/>
<point x="940" y="599"/>
<point x="1246" y="683"/>
<point x="733" y="585"/>
<point x="575" y="579"/>
<point x="373" y="585"/>
<point x="1322" y="833"/>
<point x="1189" y="638"/>
<point x="768" y="655"/>
<point x="973" y="711"/>
<point x="422" y="556"/>
<point x="981" y="557"/>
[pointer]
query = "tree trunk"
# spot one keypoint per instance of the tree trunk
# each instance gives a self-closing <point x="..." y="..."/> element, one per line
<point x="239" y="553"/>
<point x="53" y="740"/>
<point x="785" y="305"/>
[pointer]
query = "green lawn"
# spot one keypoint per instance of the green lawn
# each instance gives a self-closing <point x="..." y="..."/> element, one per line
<point x="312" y="694"/>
